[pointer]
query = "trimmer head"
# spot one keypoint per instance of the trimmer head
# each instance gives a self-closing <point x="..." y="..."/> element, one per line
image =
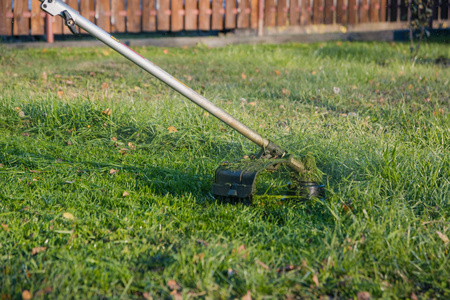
<point x="236" y="182"/>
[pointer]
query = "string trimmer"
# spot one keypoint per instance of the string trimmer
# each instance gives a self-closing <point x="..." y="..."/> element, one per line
<point x="232" y="181"/>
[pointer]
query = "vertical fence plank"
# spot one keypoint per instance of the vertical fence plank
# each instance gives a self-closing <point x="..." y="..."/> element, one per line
<point x="117" y="18"/>
<point x="148" y="15"/>
<point x="243" y="19"/>
<point x="317" y="11"/>
<point x="5" y="23"/>
<point x="383" y="10"/>
<point x="102" y="14"/>
<point x="363" y="11"/>
<point x="217" y="14"/>
<point x="133" y="16"/>
<point x="57" y="25"/>
<point x="177" y="15"/>
<point x="73" y="4"/>
<point x="164" y="12"/>
<point x="21" y="25"/>
<point x="352" y="11"/>
<point x="230" y="14"/>
<point x="190" y="22"/>
<point x="374" y="11"/>
<point x="305" y="13"/>
<point x="254" y="7"/>
<point x="281" y="13"/>
<point x="294" y="13"/>
<point x="37" y="22"/>
<point x="341" y="12"/>
<point x="269" y="13"/>
<point x="329" y="12"/>
<point x="204" y="15"/>
<point x="85" y="10"/>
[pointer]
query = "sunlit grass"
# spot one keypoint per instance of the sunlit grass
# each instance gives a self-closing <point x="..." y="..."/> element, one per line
<point x="85" y="132"/>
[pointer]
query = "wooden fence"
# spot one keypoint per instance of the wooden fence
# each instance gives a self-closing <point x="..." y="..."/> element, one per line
<point x="24" y="17"/>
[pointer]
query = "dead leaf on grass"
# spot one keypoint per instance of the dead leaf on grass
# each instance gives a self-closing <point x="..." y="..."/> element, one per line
<point x="173" y="285"/>
<point x="443" y="237"/>
<point x="176" y="295"/>
<point x="44" y="76"/>
<point x="315" y="280"/>
<point x="166" y="51"/>
<point x="262" y="264"/>
<point x="34" y="171"/>
<point x="363" y="296"/>
<point x="130" y="144"/>
<point x="5" y="227"/>
<point x="172" y="129"/>
<point x="37" y="250"/>
<point x="125" y="194"/>
<point x="107" y="111"/>
<point x="253" y="103"/>
<point x="60" y="94"/>
<point x="286" y="269"/>
<point x="112" y="171"/>
<point x="68" y="216"/>
<point x="26" y="295"/>
<point x="278" y="73"/>
<point x="243" y="76"/>
<point x="21" y="114"/>
<point x="247" y="296"/>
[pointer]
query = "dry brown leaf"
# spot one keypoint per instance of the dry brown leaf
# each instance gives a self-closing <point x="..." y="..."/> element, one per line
<point x="69" y="143"/>
<point x="1" y="166"/>
<point x="173" y="285"/>
<point x="252" y="103"/>
<point x="114" y="139"/>
<point x="44" y="76"/>
<point x="243" y="76"/>
<point x="44" y="50"/>
<point x="285" y="92"/>
<point x="315" y="280"/>
<point x="92" y="74"/>
<point x="247" y="296"/>
<point x="205" y="114"/>
<point x="37" y="250"/>
<point x="112" y="171"/>
<point x="25" y="134"/>
<point x="34" y="171"/>
<point x="26" y="295"/>
<point x="166" y="51"/>
<point x="147" y="296"/>
<point x="123" y="151"/>
<point x="313" y="72"/>
<point x="363" y="296"/>
<point x="68" y="216"/>
<point x="262" y="264"/>
<point x="172" y="129"/>
<point x="5" y="227"/>
<point x="413" y="296"/>
<point x="104" y="85"/>
<point x="130" y="144"/>
<point x="176" y="295"/>
<point x="60" y="93"/>
<point x="203" y="242"/>
<point x="277" y="72"/>
<point x="125" y="194"/>
<point x="107" y="111"/>
<point x="443" y="237"/>
<point x="21" y="114"/>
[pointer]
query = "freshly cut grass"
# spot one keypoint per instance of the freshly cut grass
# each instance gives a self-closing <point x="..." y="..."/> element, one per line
<point x="105" y="173"/>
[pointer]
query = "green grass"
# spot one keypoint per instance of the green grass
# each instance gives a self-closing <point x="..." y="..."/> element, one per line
<point x="383" y="142"/>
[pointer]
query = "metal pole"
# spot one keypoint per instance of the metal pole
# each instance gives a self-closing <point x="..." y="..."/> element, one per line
<point x="56" y="7"/>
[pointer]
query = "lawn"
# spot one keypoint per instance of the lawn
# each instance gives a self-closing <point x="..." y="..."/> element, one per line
<point x="105" y="173"/>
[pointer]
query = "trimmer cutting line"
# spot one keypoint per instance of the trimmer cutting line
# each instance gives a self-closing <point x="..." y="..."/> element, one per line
<point x="235" y="182"/>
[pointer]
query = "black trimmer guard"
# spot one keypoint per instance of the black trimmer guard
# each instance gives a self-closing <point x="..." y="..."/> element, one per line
<point x="237" y="182"/>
